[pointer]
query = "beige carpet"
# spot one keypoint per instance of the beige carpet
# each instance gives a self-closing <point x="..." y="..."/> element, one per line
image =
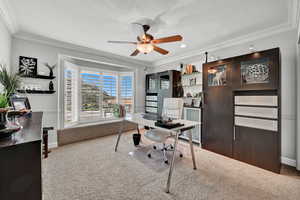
<point x="91" y="170"/>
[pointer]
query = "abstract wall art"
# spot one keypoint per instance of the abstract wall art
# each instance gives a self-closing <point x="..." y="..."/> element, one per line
<point x="27" y="66"/>
<point x="255" y="71"/>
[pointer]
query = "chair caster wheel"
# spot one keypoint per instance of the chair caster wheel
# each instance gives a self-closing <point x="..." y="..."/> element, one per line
<point x="171" y="147"/>
<point x="166" y="162"/>
<point x="149" y="155"/>
<point x="154" y="147"/>
<point x="181" y="155"/>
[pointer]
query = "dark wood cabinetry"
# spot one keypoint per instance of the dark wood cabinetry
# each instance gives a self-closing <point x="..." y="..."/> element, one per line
<point x="159" y="86"/>
<point x="242" y="110"/>
<point x="20" y="161"/>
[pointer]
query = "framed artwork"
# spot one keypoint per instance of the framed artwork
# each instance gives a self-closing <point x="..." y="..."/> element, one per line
<point x="20" y="103"/>
<point x="218" y="77"/>
<point x="255" y="71"/>
<point x="27" y="66"/>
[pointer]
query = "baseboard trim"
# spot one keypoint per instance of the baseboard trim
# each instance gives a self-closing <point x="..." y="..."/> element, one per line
<point x="288" y="161"/>
<point x="52" y="145"/>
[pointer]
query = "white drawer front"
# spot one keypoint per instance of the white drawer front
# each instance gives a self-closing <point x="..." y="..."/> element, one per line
<point x="257" y="112"/>
<point x="256" y="100"/>
<point x="151" y="98"/>
<point x="256" y="123"/>
<point x="151" y="109"/>
<point x="151" y="103"/>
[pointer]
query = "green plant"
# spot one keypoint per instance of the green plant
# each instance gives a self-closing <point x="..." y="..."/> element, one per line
<point x="10" y="81"/>
<point x="3" y="101"/>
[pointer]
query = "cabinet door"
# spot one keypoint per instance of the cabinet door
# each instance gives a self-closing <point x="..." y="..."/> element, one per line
<point x="257" y="71"/>
<point x="217" y="135"/>
<point x="152" y="83"/>
<point x="257" y="147"/>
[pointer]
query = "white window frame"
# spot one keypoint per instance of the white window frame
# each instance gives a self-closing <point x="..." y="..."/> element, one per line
<point x="79" y="122"/>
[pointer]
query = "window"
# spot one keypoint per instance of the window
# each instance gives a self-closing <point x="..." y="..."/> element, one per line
<point x="89" y="94"/>
<point x="127" y="92"/>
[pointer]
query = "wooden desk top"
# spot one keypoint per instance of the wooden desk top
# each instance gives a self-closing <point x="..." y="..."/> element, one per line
<point x="31" y="131"/>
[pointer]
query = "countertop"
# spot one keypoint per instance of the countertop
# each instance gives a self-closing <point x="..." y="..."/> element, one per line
<point x="31" y="131"/>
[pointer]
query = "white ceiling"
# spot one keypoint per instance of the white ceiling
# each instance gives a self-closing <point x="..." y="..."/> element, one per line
<point x="202" y="23"/>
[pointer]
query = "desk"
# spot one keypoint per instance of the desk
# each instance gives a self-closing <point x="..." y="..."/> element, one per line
<point x="138" y="119"/>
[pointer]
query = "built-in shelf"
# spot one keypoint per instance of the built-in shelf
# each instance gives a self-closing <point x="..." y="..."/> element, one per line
<point x="36" y="91"/>
<point x="192" y="74"/>
<point x="197" y="85"/>
<point x="39" y="77"/>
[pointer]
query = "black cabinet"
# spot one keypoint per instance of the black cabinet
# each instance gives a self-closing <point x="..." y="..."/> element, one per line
<point x="159" y="86"/>
<point x="20" y="161"/>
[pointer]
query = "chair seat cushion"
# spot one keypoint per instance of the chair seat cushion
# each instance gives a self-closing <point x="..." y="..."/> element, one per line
<point x="157" y="136"/>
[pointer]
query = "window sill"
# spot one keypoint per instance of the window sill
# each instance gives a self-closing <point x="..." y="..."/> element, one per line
<point x="86" y="124"/>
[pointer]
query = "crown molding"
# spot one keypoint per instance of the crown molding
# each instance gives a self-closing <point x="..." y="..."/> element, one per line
<point x="292" y="23"/>
<point x="8" y="17"/>
<point x="228" y="43"/>
<point x="122" y="60"/>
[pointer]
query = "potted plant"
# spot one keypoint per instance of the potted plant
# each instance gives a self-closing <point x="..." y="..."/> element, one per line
<point x="3" y="110"/>
<point x="10" y="81"/>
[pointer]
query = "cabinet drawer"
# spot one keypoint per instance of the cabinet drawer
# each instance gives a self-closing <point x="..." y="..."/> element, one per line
<point x="151" y="98"/>
<point x="151" y="109"/>
<point x="151" y="103"/>
<point x="256" y="123"/>
<point x="256" y="112"/>
<point x="256" y="100"/>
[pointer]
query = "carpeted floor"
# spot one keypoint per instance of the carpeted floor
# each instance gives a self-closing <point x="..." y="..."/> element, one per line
<point x="91" y="170"/>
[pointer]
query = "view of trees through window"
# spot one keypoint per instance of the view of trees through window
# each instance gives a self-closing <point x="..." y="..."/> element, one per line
<point x="96" y="94"/>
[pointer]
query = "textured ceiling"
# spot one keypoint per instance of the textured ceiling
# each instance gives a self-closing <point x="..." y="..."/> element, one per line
<point x="91" y="23"/>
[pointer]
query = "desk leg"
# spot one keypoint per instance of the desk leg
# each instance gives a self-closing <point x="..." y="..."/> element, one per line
<point x="172" y="163"/>
<point x="192" y="148"/>
<point x="119" y="135"/>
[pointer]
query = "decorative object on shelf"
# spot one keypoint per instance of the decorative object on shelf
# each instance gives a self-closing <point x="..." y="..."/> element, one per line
<point x="51" y="86"/>
<point x="181" y="68"/>
<point x="255" y="71"/>
<point x="10" y="81"/>
<point x="188" y="102"/>
<point x="197" y="103"/>
<point x="219" y="77"/>
<point x="3" y="111"/>
<point x="27" y="66"/>
<point x="119" y="111"/>
<point x="193" y="81"/>
<point x="206" y="57"/>
<point x="51" y="68"/>
<point x="189" y="69"/>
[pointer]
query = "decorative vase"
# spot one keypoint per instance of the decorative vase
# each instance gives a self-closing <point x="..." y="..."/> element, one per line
<point x="51" y="73"/>
<point x="136" y="139"/>
<point x="51" y="86"/>
<point x="3" y="118"/>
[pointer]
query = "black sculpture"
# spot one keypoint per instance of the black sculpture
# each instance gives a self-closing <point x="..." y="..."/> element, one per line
<point x="50" y="69"/>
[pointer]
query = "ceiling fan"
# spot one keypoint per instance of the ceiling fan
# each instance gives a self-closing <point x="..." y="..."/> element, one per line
<point x="146" y="43"/>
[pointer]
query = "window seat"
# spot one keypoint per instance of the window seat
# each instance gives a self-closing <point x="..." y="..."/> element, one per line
<point x="91" y="131"/>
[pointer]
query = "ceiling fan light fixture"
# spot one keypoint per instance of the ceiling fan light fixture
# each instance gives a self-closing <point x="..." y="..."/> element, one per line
<point x="145" y="47"/>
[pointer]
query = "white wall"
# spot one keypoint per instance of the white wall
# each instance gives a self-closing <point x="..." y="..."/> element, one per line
<point x="5" y="44"/>
<point x="49" y="53"/>
<point x="298" y="97"/>
<point x="286" y="42"/>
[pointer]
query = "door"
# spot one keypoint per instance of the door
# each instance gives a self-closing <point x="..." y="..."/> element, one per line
<point x="217" y="135"/>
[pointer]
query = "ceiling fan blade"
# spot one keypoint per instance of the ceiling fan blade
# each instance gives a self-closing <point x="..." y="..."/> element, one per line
<point x="135" y="53"/>
<point x="174" y="38"/>
<point x="122" y="42"/>
<point x="160" y="50"/>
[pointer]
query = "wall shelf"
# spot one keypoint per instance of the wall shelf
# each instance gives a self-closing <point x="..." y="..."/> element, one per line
<point x="40" y="77"/>
<point x="36" y="91"/>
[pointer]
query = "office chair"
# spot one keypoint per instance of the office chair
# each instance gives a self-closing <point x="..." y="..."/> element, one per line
<point x="172" y="108"/>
